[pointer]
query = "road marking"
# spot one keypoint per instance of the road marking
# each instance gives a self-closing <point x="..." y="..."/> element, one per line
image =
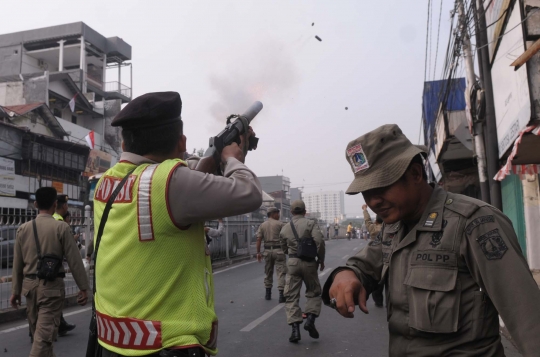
<point x="234" y="267"/>
<point x="256" y="322"/>
<point x="26" y="325"/>
<point x="356" y="248"/>
<point x="324" y="272"/>
<point x="345" y="257"/>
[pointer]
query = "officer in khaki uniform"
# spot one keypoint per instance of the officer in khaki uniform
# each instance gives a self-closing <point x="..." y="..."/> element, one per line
<point x="273" y="254"/>
<point x="299" y="271"/>
<point x="452" y="263"/>
<point x="60" y="212"/>
<point x="45" y="299"/>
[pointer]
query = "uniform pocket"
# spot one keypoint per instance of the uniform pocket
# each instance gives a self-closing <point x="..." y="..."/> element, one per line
<point x="52" y="293"/>
<point x="280" y="257"/>
<point x="434" y="295"/>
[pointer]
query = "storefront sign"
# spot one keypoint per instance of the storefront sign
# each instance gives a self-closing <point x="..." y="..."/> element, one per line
<point x="510" y="88"/>
<point x="7" y="177"/>
<point x="98" y="162"/>
<point x="59" y="186"/>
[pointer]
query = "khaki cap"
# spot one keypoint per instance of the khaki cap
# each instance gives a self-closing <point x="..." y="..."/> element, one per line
<point x="298" y="206"/>
<point x="379" y="158"/>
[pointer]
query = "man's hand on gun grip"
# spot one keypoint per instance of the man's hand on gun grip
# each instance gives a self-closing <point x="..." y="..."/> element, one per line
<point x="237" y="151"/>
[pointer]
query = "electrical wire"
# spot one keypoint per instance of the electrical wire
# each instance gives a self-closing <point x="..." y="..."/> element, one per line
<point x="513" y="28"/>
<point x="427" y="39"/>
<point x="437" y="46"/>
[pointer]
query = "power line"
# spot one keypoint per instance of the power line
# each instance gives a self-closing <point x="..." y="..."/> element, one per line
<point x="437" y="47"/>
<point x="513" y="28"/>
<point x="427" y="38"/>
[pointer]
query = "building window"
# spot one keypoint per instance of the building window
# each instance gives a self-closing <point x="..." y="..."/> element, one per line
<point x="74" y="119"/>
<point x="57" y="112"/>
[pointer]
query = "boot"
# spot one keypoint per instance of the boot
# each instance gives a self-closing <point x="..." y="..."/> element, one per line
<point x="310" y="326"/>
<point x="64" y="327"/>
<point x="268" y="295"/>
<point x="295" y="335"/>
<point x="281" y="297"/>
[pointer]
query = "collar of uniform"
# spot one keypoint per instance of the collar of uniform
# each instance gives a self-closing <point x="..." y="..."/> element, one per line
<point x="297" y="217"/>
<point x="392" y="228"/>
<point x="135" y="159"/>
<point x="44" y="215"/>
<point x="435" y="205"/>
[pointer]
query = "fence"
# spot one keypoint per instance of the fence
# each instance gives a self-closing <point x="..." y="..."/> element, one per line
<point x="238" y="239"/>
<point x="10" y="220"/>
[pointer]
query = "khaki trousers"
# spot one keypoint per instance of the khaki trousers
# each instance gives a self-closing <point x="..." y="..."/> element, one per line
<point x="44" y="304"/>
<point x="299" y="271"/>
<point x="274" y="258"/>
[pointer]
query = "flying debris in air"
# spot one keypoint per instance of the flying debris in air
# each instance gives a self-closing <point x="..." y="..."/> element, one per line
<point x="318" y="38"/>
<point x="346" y="108"/>
<point x="312" y="24"/>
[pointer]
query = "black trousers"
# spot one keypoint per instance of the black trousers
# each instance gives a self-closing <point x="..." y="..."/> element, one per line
<point x="378" y="296"/>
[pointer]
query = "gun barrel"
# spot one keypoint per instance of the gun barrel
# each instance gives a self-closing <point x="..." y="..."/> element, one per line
<point x="252" y="111"/>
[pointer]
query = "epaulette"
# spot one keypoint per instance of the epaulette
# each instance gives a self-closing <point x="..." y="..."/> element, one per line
<point x="463" y="205"/>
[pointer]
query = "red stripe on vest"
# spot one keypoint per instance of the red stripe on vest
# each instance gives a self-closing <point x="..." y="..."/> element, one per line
<point x="129" y="333"/>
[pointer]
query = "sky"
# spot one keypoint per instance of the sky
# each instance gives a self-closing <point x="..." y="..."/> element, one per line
<point x="222" y="55"/>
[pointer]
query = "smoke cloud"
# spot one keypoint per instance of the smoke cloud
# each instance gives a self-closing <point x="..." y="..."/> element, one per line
<point x="267" y="73"/>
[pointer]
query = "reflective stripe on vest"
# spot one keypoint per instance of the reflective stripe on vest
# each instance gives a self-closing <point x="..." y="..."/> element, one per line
<point x="144" y="207"/>
<point x="129" y="333"/>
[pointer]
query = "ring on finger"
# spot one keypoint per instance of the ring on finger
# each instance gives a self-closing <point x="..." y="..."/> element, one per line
<point x="333" y="303"/>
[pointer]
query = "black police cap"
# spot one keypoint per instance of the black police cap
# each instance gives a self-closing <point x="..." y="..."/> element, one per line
<point x="150" y="110"/>
<point x="62" y="198"/>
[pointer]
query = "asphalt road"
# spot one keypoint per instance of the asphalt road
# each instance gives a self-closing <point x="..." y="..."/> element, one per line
<point x="248" y="324"/>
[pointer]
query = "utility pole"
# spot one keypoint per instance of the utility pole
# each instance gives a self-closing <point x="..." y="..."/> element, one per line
<point x="492" y="145"/>
<point x="471" y="79"/>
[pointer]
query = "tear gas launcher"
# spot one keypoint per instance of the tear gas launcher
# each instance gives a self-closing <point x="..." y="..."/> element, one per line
<point x="236" y="126"/>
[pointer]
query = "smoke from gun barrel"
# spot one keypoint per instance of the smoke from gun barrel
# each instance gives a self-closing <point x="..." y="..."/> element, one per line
<point x="252" y="111"/>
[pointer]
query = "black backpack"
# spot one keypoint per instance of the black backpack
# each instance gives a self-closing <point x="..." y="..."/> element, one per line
<point x="307" y="248"/>
<point x="49" y="264"/>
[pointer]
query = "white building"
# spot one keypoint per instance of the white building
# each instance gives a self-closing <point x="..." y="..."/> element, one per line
<point x="330" y="204"/>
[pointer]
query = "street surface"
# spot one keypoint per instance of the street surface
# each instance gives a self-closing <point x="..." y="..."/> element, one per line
<point x="248" y="324"/>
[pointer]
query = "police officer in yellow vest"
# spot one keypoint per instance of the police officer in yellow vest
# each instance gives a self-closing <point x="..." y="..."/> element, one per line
<point x="452" y="264"/>
<point x="59" y="213"/>
<point x="155" y="291"/>
<point x="273" y="254"/>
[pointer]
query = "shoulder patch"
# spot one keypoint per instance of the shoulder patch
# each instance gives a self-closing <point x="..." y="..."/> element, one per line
<point x="478" y="221"/>
<point x="492" y="244"/>
<point x="463" y="205"/>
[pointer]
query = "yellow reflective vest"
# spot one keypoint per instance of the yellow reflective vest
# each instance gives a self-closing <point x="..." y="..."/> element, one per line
<point x="154" y="280"/>
<point x="57" y="217"/>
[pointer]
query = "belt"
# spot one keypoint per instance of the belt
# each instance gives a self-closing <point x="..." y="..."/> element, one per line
<point x="34" y="276"/>
<point x="272" y="246"/>
<point x="188" y="352"/>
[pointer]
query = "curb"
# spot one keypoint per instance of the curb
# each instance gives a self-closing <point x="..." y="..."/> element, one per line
<point x="223" y="263"/>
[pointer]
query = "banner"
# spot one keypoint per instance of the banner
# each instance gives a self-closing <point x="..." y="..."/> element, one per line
<point x="98" y="162"/>
<point x="7" y="177"/>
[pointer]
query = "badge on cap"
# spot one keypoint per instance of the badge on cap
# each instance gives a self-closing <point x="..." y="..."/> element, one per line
<point x="358" y="158"/>
<point x="431" y="219"/>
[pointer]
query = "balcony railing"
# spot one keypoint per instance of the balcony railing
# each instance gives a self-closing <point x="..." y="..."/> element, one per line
<point x="119" y="88"/>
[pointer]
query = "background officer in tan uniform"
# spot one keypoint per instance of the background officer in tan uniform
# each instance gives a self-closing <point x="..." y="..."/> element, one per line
<point x="299" y="271"/>
<point x="45" y="299"/>
<point x="60" y="214"/>
<point x="273" y="254"/>
<point x="452" y="263"/>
